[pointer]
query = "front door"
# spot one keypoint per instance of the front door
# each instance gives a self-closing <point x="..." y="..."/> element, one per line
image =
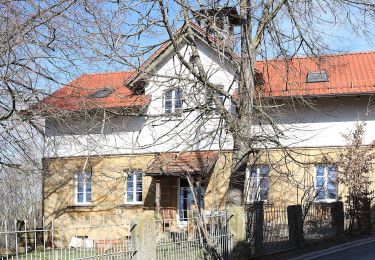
<point x="186" y="200"/>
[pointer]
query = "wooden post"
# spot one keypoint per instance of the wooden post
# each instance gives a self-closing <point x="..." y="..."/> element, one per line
<point x="157" y="195"/>
<point x="337" y="214"/>
<point x="295" y="225"/>
<point x="258" y="227"/>
<point x="199" y="193"/>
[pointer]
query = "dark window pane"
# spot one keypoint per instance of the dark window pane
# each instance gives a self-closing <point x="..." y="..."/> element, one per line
<point x="80" y="186"/>
<point x="263" y="194"/>
<point x="264" y="183"/>
<point x="253" y="172"/>
<point x="319" y="182"/>
<point x="331" y="194"/>
<point x="79" y="197"/>
<point x="319" y="170"/>
<point x="320" y="195"/>
<point x="222" y="98"/>
<point x="168" y="95"/>
<point x="88" y="197"/>
<point x="178" y="99"/>
<point x="168" y="106"/>
<point x="263" y="171"/>
<point x="80" y="177"/>
<point x="129" y="196"/>
<point x="332" y="173"/>
<point x="138" y="196"/>
<point x="130" y="186"/>
<point x="88" y="186"/>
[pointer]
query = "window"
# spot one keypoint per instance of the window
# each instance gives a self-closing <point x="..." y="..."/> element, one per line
<point x="83" y="188"/>
<point x="101" y="93"/>
<point x="317" y="76"/>
<point x="210" y="98"/>
<point x="133" y="188"/>
<point x="173" y="101"/>
<point x="257" y="179"/>
<point x="325" y="186"/>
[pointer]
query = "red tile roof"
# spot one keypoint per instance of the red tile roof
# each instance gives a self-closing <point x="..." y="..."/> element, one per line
<point x="182" y="163"/>
<point x="348" y="74"/>
<point x="75" y="96"/>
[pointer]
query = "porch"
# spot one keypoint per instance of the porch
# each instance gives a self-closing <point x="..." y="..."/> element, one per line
<point x="179" y="181"/>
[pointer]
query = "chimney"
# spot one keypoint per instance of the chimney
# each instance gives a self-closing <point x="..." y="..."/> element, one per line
<point x="219" y="22"/>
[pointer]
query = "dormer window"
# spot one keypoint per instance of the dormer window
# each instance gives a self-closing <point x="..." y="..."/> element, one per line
<point x="173" y="101"/>
<point x="317" y="76"/>
<point x="101" y="93"/>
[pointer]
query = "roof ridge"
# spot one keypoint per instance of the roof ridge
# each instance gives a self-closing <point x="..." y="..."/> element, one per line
<point x="321" y="56"/>
<point x="106" y="72"/>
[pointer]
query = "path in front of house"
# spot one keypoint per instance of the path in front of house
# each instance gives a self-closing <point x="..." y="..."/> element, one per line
<point x="359" y="250"/>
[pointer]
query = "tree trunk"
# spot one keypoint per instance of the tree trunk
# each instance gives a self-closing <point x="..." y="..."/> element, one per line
<point x="242" y="137"/>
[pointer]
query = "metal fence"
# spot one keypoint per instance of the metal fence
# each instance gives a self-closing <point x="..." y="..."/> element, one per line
<point x="193" y="238"/>
<point x="105" y="237"/>
<point x="267" y="229"/>
<point x="109" y="237"/>
<point x="317" y="221"/>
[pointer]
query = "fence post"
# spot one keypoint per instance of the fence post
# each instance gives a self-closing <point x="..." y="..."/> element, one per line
<point x="258" y="227"/>
<point x="237" y="227"/>
<point x="337" y="215"/>
<point x="295" y="225"/>
<point x="143" y="233"/>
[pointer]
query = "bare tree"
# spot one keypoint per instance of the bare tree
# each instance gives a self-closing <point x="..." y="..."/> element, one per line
<point x="356" y="164"/>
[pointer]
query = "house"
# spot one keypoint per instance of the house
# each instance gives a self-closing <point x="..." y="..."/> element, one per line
<point x="124" y="142"/>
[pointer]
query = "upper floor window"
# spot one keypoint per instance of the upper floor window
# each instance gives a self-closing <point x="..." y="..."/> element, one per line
<point x="83" y="188"/>
<point x="133" y="188"/>
<point x="325" y="185"/>
<point x="257" y="179"/>
<point x="210" y="94"/>
<point x="173" y="101"/>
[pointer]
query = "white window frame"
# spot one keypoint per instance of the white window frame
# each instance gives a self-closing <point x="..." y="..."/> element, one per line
<point x="325" y="186"/>
<point x="249" y="183"/>
<point x="173" y="99"/>
<point x="84" y="202"/>
<point x="134" y="201"/>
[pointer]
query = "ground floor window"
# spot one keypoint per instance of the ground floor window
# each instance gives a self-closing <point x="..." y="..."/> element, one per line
<point x="133" y="188"/>
<point x="325" y="182"/>
<point x="83" y="188"/>
<point x="257" y="183"/>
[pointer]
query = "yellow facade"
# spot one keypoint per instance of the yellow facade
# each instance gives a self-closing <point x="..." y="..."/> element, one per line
<point x="292" y="177"/>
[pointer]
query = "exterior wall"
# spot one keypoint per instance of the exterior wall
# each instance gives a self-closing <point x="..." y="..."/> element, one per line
<point x="104" y="134"/>
<point x="108" y="187"/>
<point x="292" y="181"/>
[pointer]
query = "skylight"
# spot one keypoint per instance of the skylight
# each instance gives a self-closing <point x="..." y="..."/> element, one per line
<point x="101" y="93"/>
<point x="317" y="76"/>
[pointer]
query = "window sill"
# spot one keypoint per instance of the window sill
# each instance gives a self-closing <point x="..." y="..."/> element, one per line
<point x="171" y="117"/>
<point x="80" y="207"/>
<point x="131" y="206"/>
<point x="325" y="201"/>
